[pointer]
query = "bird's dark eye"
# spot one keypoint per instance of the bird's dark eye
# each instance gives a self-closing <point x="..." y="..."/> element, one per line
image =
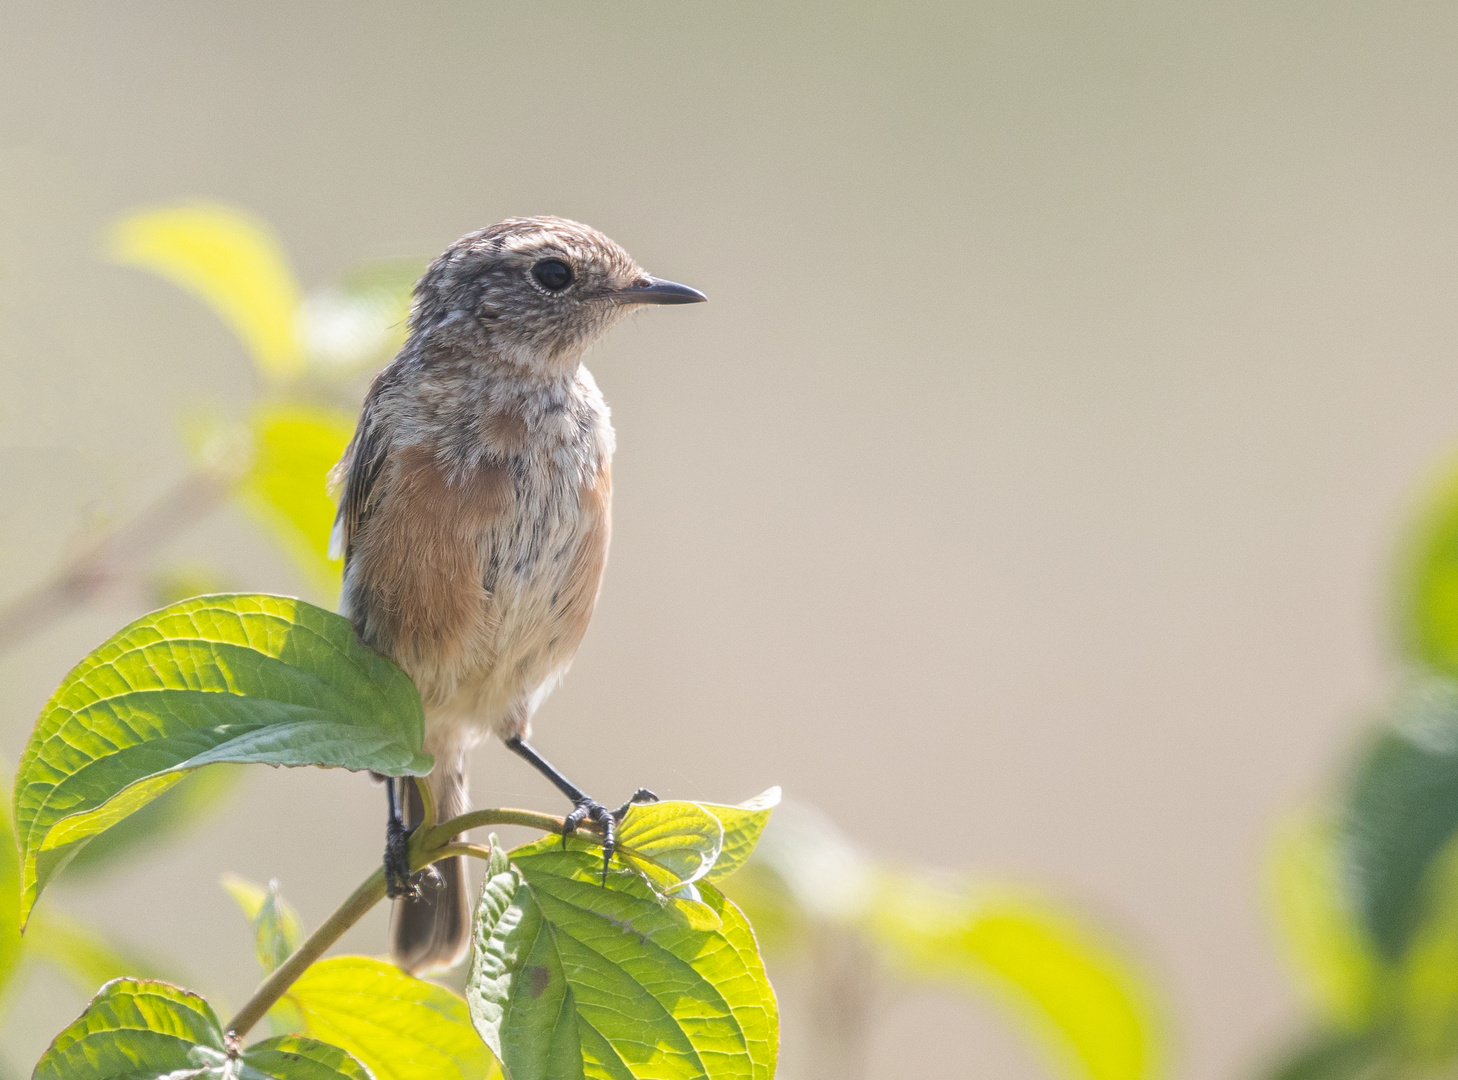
<point x="552" y="274"/>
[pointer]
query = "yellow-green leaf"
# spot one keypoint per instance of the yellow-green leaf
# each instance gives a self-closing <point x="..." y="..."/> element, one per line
<point x="231" y="261"/>
<point x="571" y="978"/>
<point x="1082" y="1004"/>
<point x="277" y="929"/>
<point x="141" y="1030"/>
<point x="397" y="1026"/>
<point x="287" y="488"/>
<point x="1325" y="945"/>
<point x="1427" y="977"/>
<point x="743" y="825"/>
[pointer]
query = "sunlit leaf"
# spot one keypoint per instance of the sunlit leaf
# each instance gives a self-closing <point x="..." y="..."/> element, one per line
<point x="286" y="489"/>
<point x="232" y="262"/>
<point x="216" y="679"/>
<point x="1082" y="1004"/>
<point x="171" y="815"/>
<point x="1325" y="942"/>
<point x="398" y="1026"/>
<point x="139" y="1030"/>
<point x="277" y="929"/>
<point x="571" y="979"/>
<point x="674" y="843"/>
<point x="1402" y="810"/>
<point x="743" y="825"/>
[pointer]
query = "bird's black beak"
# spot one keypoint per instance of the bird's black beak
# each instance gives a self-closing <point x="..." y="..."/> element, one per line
<point x="657" y="291"/>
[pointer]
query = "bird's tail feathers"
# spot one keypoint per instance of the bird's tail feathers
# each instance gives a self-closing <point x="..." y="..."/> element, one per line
<point x="431" y="931"/>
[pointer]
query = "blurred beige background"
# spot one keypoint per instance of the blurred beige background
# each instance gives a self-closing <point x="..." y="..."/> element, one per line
<point x="1025" y="497"/>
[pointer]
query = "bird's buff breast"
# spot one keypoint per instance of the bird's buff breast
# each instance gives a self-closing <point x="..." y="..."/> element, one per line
<point x="543" y="573"/>
<point x="480" y="583"/>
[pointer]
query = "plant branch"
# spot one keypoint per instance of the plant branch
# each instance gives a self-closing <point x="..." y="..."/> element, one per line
<point x="109" y="558"/>
<point x="286" y="974"/>
<point x="426" y="847"/>
<point x="447" y="831"/>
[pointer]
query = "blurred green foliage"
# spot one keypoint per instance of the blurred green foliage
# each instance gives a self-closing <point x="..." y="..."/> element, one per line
<point x="1364" y="889"/>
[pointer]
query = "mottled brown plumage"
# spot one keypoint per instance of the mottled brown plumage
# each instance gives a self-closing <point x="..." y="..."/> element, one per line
<point x="476" y="501"/>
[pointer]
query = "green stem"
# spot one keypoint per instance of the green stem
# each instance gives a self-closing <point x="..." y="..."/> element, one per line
<point x="431" y="846"/>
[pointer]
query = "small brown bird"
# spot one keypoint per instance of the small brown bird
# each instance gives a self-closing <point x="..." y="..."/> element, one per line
<point x="474" y="517"/>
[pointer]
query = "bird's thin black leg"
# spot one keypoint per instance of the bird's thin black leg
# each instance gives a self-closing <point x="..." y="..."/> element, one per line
<point x="397" y="842"/>
<point x="585" y="808"/>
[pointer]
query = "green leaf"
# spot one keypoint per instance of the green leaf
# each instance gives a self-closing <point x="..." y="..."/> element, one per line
<point x="1325" y="943"/>
<point x="277" y="929"/>
<point x="138" y="1030"/>
<point x="1082" y="1004"/>
<point x="571" y="979"/>
<point x="292" y="1057"/>
<point x="167" y="817"/>
<point x="1341" y="1055"/>
<point x="294" y="447"/>
<point x="232" y="262"/>
<point x="400" y="1027"/>
<point x="1427" y="983"/>
<point x="1402" y="810"/>
<point x="743" y="825"/>
<point x="215" y="679"/>
<point x="673" y="843"/>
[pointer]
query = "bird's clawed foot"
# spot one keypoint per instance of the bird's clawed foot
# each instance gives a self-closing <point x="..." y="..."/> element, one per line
<point x="606" y="820"/>
<point x="397" y="860"/>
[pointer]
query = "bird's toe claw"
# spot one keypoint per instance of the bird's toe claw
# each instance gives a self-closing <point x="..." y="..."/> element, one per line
<point x="639" y="797"/>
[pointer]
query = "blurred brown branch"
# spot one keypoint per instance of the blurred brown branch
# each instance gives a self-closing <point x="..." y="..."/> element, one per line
<point x="111" y="558"/>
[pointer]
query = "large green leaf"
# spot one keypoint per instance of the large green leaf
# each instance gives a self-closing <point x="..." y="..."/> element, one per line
<point x="1402" y="810"/>
<point x="1082" y="1004"/>
<point x="241" y="678"/>
<point x="1326" y="945"/>
<point x="571" y="979"/>
<point x="400" y="1027"/>
<point x="136" y="1030"/>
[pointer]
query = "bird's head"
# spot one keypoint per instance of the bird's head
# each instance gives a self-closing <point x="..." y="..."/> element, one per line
<point x="536" y="292"/>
